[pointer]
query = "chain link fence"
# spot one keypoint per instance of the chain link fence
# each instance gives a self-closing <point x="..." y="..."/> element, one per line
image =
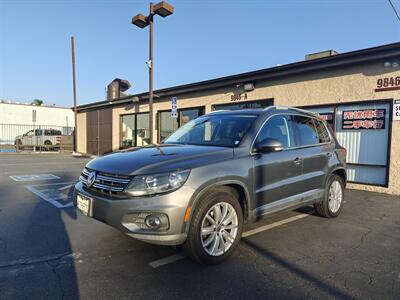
<point x="36" y="138"/>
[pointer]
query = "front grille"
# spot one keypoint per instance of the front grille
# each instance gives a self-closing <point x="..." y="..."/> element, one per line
<point x="105" y="183"/>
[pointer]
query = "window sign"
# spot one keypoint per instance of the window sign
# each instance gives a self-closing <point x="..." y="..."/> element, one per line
<point x="396" y="110"/>
<point x="174" y="108"/>
<point x="364" y="119"/>
<point x="328" y="117"/>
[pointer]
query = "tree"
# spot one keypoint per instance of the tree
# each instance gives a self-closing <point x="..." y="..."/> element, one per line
<point x="37" y="102"/>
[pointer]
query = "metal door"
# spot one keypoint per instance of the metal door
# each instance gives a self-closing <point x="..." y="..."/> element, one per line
<point x="99" y="131"/>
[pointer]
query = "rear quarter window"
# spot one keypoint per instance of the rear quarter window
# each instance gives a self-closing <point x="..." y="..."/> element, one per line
<point x="322" y="131"/>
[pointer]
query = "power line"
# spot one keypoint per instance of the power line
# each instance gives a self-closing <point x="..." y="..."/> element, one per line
<point x="394" y="9"/>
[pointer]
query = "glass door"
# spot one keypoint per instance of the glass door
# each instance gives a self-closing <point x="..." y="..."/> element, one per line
<point x="134" y="130"/>
<point x="127" y="131"/>
<point x="142" y="130"/>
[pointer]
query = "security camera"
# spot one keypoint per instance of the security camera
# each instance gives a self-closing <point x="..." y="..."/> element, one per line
<point x="148" y="63"/>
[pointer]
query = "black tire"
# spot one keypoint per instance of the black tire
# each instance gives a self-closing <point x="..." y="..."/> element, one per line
<point x="193" y="244"/>
<point x="322" y="208"/>
<point x="47" y="143"/>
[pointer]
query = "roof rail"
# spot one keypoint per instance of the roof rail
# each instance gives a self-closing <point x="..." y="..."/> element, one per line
<point x="281" y="107"/>
<point x="269" y="107"/>
<point x="215" y="111"/>
<point x="303" y="110"/>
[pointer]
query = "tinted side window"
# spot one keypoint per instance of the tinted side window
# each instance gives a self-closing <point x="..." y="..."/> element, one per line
<point x="277" y="128"/>
<point x="306" y="131"/>
<point x="322" y="131"/>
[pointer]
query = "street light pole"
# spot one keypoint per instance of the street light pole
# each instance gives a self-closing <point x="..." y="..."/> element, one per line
<point x="150" y="65"/>
<point x="162" y="9"/>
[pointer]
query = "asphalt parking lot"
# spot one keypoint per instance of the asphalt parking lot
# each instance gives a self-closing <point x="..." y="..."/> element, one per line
<point x="48" y="251"/>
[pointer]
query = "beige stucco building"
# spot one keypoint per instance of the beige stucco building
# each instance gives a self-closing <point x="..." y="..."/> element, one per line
<point x="354" y="91"/>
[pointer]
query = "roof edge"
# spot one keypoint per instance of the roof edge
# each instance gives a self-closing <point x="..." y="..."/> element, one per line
<point x="342" y="59"/>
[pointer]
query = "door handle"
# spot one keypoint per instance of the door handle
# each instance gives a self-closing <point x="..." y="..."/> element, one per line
<point x="329" y="154"/>
<point x="297" y="161"/>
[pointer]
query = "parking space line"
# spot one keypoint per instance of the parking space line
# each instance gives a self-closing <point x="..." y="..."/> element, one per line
<point x="40" y="163"/>
<point x="65" y="187"/>
<point x="173" y="258"/>
<point x="273" y="225"/>
<point x="54" y="183"/>
<point x="47" y="198"/>
<point x="166" y="260"/>
<point x="34" y="177"/>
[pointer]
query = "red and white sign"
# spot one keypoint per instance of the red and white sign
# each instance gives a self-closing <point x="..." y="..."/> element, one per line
<point x="364" y="119"/>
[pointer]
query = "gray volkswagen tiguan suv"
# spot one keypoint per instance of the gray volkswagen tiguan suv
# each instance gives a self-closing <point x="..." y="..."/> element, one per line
<point x="200" y="185"/>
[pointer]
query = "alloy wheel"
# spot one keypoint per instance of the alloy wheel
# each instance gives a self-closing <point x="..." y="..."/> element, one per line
<point x="219" y="229"/>
<point x="335" y="197"/>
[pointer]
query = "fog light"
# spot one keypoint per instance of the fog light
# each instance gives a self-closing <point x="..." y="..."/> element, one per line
<point x="147" y="221"/>
<point x="157" y="221"/>
<point x="153" y="222"/>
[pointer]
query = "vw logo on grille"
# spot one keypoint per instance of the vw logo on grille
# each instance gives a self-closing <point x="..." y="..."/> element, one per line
<point x="91" y="179"/>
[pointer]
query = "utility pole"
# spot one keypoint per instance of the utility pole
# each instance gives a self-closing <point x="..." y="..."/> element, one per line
<point x="74" y="88"/>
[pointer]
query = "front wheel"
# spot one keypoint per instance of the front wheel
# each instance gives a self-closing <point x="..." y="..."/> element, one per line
<point x="216" y="227"/>
<point x="18" y="144"/>
<point x="332" y="203"/>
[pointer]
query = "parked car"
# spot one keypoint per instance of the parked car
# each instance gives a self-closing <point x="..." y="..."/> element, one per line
<point x="199" y="186"/>
<point x="38" y="137"/>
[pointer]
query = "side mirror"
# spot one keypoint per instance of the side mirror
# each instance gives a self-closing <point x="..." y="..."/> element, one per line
<point x="269" y="145"/>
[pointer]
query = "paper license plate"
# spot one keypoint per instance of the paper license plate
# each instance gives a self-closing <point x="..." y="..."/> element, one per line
<point x="83" y="204"/>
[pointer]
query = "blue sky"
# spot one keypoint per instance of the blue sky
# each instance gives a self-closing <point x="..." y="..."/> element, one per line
<point x="201" y="40"/>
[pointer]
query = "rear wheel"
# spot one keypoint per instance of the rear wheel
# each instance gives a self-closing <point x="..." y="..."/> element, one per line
<point x="333" y="198"/>
<point x="216" y="227"/>
<point x="47" y="144"/>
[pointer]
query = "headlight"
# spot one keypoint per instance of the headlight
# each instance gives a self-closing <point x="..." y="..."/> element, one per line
<point x="157" y="183"/>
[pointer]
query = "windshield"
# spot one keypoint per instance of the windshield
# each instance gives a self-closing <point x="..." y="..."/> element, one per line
<point x="213" y="130"/>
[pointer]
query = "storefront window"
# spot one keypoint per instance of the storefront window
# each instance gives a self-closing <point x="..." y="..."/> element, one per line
<point x="134" y="130"/>
<point x="326" y="113"/>
<point x="359" y="127"/>
<point x="187" y="115"/>
<point x="142" y="130"/>
<point x="168" y="125"/>
<point x="127" y="131"/>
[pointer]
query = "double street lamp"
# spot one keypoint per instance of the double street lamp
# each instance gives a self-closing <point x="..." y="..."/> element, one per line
<point x="162" y="9"/>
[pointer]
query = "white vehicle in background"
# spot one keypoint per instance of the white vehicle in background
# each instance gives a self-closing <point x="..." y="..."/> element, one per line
<point x="44" y="138"/>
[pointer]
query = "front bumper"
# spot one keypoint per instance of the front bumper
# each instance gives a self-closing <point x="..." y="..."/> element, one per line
<point x="116" y="213"/>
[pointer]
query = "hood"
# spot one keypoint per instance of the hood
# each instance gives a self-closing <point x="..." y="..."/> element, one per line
<point x="159" y="158"/>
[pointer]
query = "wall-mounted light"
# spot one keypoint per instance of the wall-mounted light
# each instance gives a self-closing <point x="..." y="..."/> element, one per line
<point x="388" y="64"/>
<point x="248" y="87"/>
